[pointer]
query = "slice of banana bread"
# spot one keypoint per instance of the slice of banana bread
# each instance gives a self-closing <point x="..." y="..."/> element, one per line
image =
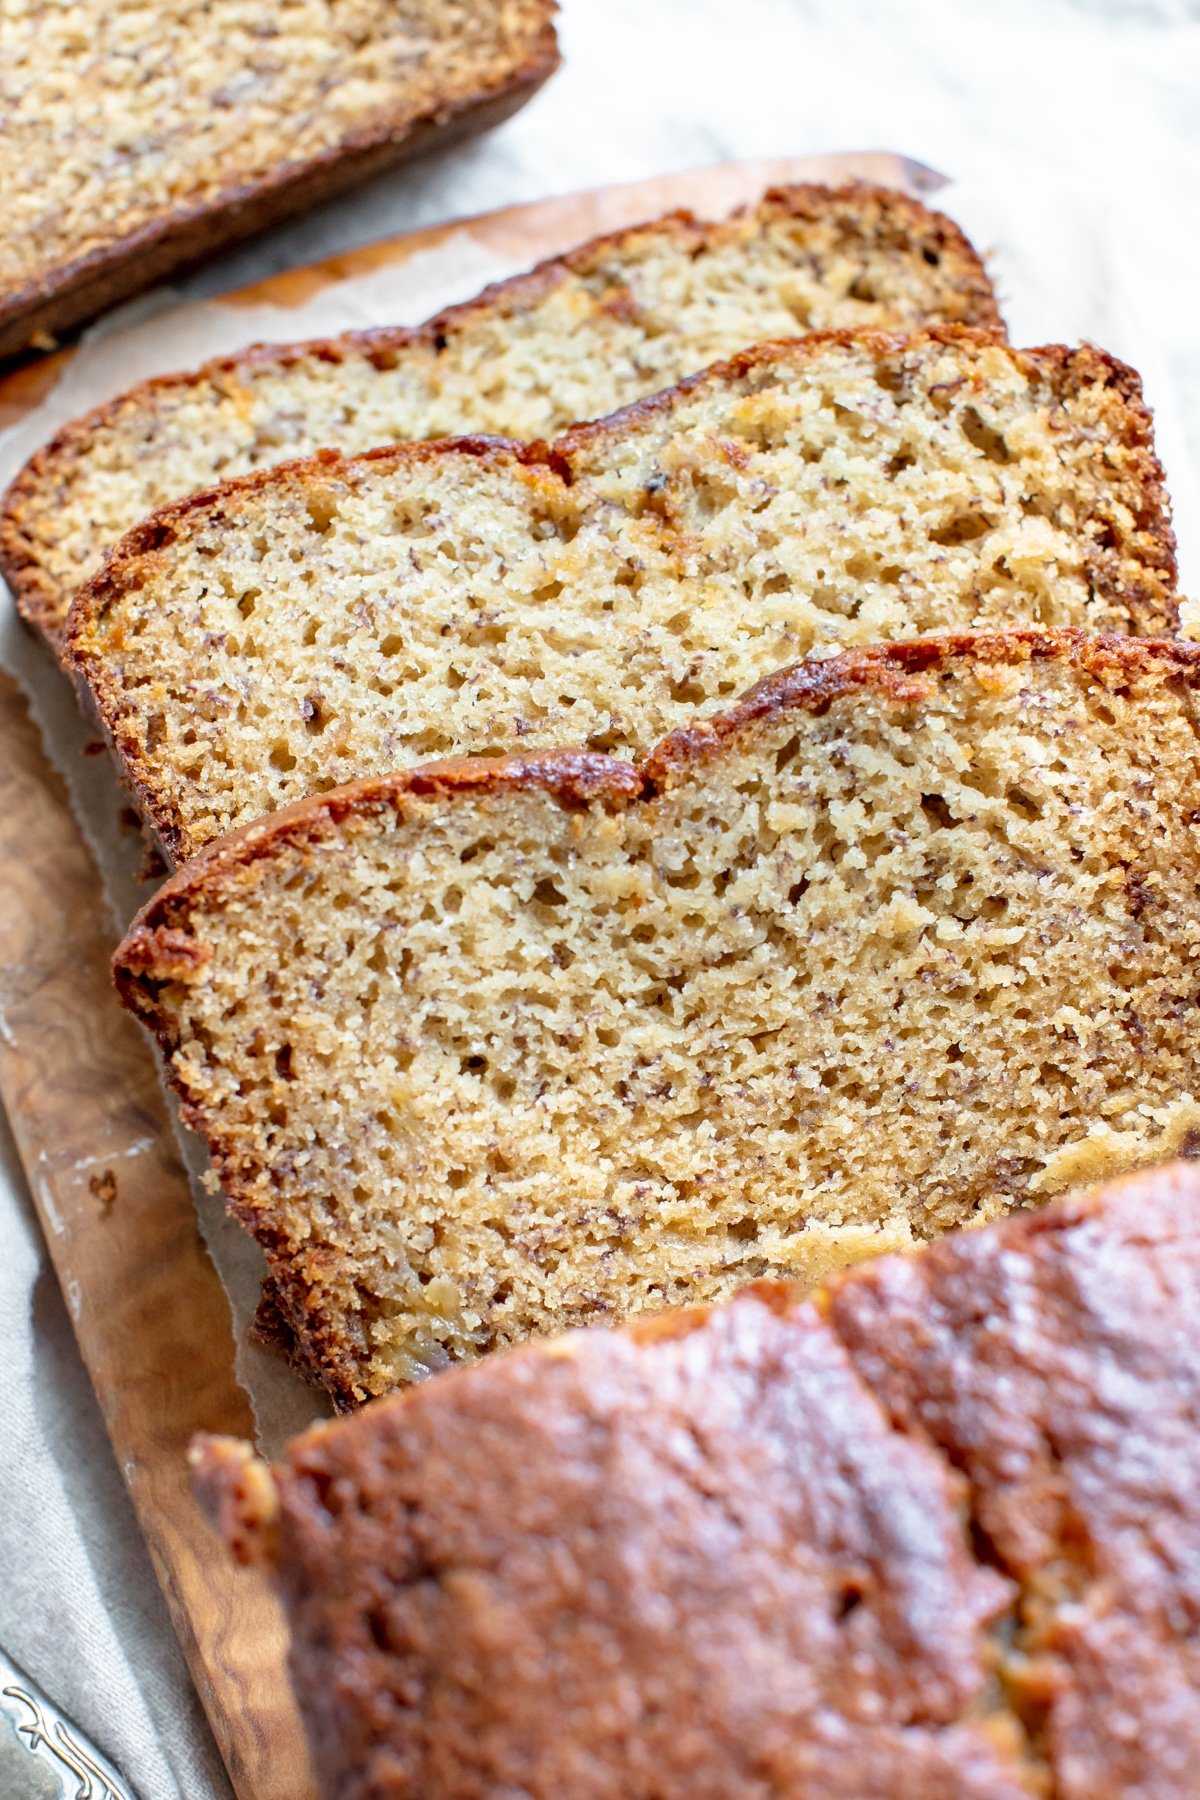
<point x="138" y="139"/>
<point x="908" y="937"/>
<point x="577" y="337"/>
<point x="303" y="627"/>
<point x="933" y="1538"/>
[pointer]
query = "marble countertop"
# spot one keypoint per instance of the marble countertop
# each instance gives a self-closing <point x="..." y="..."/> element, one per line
<point x="1089" y="96"/>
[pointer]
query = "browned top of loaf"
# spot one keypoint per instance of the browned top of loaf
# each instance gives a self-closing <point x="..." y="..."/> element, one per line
<point x="227" y="109"/>
<point x="43" y="572"/>
<point x="580" y="778"/>
<point x="1055" y="1363"/>
<point x="618" y="1569"/>
<point x="934" y="1535"/>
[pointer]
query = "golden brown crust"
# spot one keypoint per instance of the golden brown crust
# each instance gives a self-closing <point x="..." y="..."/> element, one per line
<point x="897" y="1683"/>
<point x="78" y="291"/>
<point x="39" y="598"/>
<point x="1053" y="1363"/>
<point x="954" y="1491"/>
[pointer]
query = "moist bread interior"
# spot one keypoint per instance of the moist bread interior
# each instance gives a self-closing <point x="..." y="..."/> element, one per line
<point x="904" y="941"/>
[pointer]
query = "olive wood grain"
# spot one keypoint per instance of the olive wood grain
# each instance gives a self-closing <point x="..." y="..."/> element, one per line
<point x="88" y="1115"/>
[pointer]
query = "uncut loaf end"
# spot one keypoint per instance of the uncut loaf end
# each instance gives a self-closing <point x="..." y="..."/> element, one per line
<point x="575" y="338"/>
<point x="139" y="140"/>
<point x="908" y="938"/>
<point x="931" y="1538"/>
<point x="337" y="618"/>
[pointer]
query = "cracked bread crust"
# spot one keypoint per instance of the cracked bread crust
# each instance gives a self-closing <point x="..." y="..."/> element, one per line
<point x="495" y="79"/>
<point x="230" y="415"/>
<point x="1053" y="1364"/>
<point x="675" y="1589"/>
<point x="916" y="889"/>
<point x="929" y="1532"/>
<point x="247" y="645"/>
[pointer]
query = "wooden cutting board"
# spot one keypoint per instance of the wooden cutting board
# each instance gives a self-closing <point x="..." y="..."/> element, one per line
<point x="81" y="1088"/>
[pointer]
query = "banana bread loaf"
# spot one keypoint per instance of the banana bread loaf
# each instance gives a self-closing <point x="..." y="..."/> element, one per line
<point x="575" y="338"/>
<point x="138" y="139"/>
<point x="909" y="937"/>
<point x="931" y="1538"/>
<point x="306" y="626"/>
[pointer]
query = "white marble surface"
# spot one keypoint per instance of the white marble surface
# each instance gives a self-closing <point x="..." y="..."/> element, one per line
<point x="1087" y="96"/>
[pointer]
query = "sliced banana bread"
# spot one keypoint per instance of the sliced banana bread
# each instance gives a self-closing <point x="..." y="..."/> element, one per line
<point x="577" y="337"/>
<point x="137" y="139"/>
<point x="302" y="627"/>
<point x="933" y="1538"/>
<point x="908" y="937"/>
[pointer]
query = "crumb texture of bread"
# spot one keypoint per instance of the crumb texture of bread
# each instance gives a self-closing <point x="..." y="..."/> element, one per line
<point x="578" y="337"/>
<point x="909" y="938"/>
<point x="122" y="123"/>
<point x="931" y="1535"/>
<point x="305" y="627"/>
